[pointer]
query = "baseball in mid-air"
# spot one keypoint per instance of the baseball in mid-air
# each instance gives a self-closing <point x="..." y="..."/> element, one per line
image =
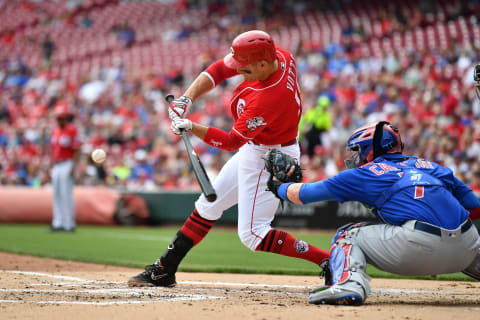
<point x="98" y="155"/>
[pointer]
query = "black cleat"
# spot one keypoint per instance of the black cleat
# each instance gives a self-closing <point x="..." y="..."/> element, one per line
<point x="326" y="273"/>
<point x="153" y="276"/>
<point x="56" y="229"/>
<point x="61" y="229"/>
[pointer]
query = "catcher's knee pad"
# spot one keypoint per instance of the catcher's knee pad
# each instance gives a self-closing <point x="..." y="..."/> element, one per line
<point x="348" y="263"/>
<point x="347" y="227"/>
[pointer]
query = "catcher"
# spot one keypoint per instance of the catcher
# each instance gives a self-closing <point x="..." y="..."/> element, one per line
<point x="424" y="212"/>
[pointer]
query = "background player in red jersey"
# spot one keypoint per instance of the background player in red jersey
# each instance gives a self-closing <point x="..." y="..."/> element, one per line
<point x="266" y="108"/>
<point x="64" y="146"/>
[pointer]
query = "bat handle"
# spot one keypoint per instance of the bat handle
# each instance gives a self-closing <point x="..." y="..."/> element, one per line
<point x="170" y="98"/>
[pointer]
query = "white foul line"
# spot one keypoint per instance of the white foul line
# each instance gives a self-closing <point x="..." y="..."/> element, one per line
<point x="239" y="284"/>
<point x="41" y="274"/>
<point x="105" y="303"/>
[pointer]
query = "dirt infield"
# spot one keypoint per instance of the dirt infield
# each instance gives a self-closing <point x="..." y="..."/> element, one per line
<point x="36" y="288"/>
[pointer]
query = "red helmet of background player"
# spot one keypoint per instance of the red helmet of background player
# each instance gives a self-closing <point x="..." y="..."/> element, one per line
<point x="249" y="47"/>
<point x="61" y="110"/>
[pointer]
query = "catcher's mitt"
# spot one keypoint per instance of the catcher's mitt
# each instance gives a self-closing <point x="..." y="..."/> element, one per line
<point x="278" y="164"/>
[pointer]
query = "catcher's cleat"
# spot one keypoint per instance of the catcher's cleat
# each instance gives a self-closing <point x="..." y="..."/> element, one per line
<point x="153" y="276"/>
<point x="335" y="295"/>
<point x="325" y="272"/>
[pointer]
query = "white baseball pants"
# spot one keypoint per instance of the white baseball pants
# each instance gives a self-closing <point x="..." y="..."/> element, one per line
<point x="63" y="205"/>
<point x="243" y="180"/>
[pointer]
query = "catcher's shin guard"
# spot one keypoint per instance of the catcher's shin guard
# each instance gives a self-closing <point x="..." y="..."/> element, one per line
<point x="473" y="269"/>
<point x="347" y="266"/>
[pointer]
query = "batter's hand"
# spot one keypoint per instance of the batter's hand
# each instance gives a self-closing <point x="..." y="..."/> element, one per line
<point x="178" y="107"/>
<point x="179" y="124"/>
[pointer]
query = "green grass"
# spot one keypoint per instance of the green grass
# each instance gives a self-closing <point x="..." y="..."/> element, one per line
<point x="220" y="251"/>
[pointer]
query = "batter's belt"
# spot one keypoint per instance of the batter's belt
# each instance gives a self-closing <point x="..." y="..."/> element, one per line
<point x="425" y="227"/>
<point x="285" y="144"/>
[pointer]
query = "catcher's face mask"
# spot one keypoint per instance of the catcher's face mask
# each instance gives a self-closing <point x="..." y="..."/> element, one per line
<point x="354" y="160"/>
<point x="476" y="78"/>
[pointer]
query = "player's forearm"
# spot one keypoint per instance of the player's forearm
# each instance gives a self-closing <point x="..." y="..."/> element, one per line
<point x="290" y="192"/>
<point x="199" y="130"/>
<point x="223" y="140"/>
<point x="305" y="192"/>
<point x="199" y="86"/>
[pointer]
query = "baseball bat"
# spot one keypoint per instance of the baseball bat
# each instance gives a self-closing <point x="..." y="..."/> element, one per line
<point x="197" y="165"/>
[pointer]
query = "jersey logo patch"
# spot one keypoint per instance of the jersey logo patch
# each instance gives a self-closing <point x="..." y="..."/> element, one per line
<point x="254" y="123"/>
<point x="240" y="107"/>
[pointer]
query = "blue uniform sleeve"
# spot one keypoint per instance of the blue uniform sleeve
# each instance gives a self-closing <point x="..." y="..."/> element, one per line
<point x="309" y="192"/>
<point x="349" y="185"/>
<point x="455" y="186"/>
<point x="313" y="192"/>
<point x="282" y="191"/>
<point x="460" y="190"/>
<point x="470" y="201"/>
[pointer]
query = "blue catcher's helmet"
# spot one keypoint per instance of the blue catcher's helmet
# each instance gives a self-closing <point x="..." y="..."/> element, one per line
<point x="373" y="140"/>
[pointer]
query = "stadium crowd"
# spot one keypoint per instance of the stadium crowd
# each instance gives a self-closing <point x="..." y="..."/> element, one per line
<point x="428" y="94"/>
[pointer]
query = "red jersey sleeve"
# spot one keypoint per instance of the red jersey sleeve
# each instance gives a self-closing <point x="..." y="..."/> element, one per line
<point x="72" y="132"/>
<point x="218" y="71"/>
<point x="226" y="141"/>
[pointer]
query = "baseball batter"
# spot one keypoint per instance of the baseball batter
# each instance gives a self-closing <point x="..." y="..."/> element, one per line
<point x="425" y="227"/>
<point x="266" y="108"/>
<point x="64" y="144"/>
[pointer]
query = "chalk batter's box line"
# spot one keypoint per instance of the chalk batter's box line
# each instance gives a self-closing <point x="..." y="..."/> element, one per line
<point x="375" y="292"/>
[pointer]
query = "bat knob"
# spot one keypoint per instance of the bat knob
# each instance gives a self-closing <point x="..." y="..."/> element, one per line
<point x="211" y="197"/>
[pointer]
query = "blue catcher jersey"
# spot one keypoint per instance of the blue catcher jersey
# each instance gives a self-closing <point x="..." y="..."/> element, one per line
<point x="400" y="188"/>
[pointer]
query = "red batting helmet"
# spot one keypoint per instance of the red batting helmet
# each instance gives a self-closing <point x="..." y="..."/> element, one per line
<point x="249" y="47"/>
<point x="61" y="110"/>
